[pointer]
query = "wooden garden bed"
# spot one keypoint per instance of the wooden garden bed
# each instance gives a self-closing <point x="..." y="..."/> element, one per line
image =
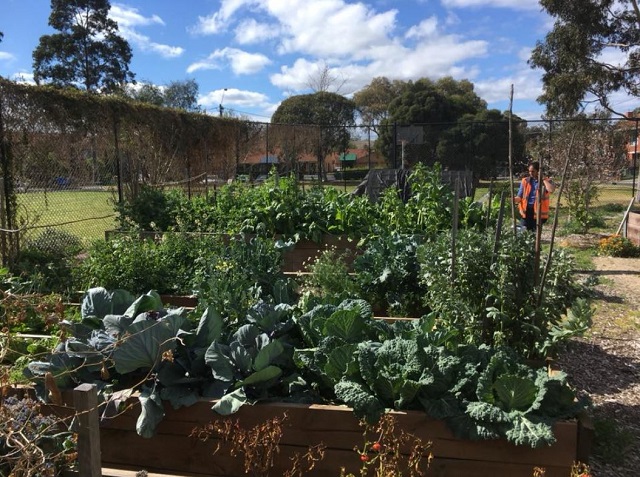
<point x="173" y="451"/>
<point x="633" y="227"/>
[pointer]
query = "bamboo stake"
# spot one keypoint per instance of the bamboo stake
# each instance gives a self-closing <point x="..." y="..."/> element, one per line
<point x="626" y="216"/>
<point x="555" y="218"/>
<point x="513" y="205"/>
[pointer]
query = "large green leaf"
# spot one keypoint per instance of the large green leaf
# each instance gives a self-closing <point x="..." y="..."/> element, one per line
<point x="341" y="360"/>
<point x="218" y="358"/>
<point x="263" y="376"/>
<point x="149" y="302"/>
<point x="96" y="302"/>
<point x="209" y="327"/>
<point x="179" y="396"/>
<point x="230" y="403"/>
<point x="143" y="345"/>
<point x="526" y="432"/>
<point x="116" y="325"/>
<point x="515" y="393"/>
<point x="364" y="403"/>
<point x="151" y="414"/>
<point x="347" y="325"/>
<point x="267" y="355"/>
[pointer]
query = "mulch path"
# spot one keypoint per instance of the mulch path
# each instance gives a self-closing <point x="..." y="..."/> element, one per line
<point x="605" y="364"/>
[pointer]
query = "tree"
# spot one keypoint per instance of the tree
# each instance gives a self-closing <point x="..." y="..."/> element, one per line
<point x="323" y="80"/>
<point x="88" y="50"/>
<point x="182" y="95"/>
<point x="177" y="94"/>
<point x="146" y="93"/>
<point x="435" y="110"/>
<point x="597" y="154"/>
<point x="372" y="101"/>
<point x="332" y="113"/>
<point x="576" y="54"/>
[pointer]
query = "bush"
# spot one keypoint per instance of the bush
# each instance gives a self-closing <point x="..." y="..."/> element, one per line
<point x="47" y="261"/>
<point x="618" y="246"/>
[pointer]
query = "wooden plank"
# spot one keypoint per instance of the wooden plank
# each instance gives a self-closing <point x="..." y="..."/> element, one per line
<point x="337" y="427"/>
<point x="85" y="400"/>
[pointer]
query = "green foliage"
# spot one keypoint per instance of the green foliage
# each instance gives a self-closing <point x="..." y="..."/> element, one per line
<point x="333" y="112"/>
<point x="329" y="279"/>
<point x="581" y="195"/>
<point x="571" y="54"/>
<point x="618" y="246"/>
<point x="47" y="261"/>
<point x="87" y="50"/>
<point x="493" y="298"/>
<point x="462" y="131"/>
<point x="182" y="263"/>
<point x="150" y="209"/>
<point x="387" y="274"/>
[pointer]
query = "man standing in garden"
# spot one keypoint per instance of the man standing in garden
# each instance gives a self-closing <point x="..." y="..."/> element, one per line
<point x="527" y="197"/>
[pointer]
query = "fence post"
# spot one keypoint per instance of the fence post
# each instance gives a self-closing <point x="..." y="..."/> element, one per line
<point x="85" y="401"/>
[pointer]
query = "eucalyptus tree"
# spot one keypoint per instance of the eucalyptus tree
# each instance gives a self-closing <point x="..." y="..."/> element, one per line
<point x="372" y="101"/>
<point x="592" y="51"/>
<point x="86" y="52"/>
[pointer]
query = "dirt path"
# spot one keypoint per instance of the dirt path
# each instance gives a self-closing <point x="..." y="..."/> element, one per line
<point x="605" y="364"/>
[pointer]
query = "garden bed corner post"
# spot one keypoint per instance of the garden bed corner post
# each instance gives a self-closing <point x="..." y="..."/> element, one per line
<point x="85" y="401"/>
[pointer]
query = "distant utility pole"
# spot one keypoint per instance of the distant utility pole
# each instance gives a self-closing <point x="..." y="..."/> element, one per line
<point x="221" y="108"/>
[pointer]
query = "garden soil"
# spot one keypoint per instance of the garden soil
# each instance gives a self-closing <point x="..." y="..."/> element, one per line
<point x="605" y="365"/>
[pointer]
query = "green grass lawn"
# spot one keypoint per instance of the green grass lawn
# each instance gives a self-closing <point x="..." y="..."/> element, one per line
<point x="86" y="214"/>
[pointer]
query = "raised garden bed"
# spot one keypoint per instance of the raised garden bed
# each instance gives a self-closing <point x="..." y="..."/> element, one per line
<point x="173" y="450"/>
<point x="633" y="227"/>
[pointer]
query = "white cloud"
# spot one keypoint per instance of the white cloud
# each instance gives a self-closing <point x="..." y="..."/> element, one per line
<point x="235" y="98"/>
<point x="242" y="62"/>
<point x="331" y="28"/>
<point x="250" y="31"/>
<point x="515" y="4"/>
<point x="218" y="21"/>
<point x="424" y="29"/>
<point x="129" y="19"/>
<point x="4" y="56"/>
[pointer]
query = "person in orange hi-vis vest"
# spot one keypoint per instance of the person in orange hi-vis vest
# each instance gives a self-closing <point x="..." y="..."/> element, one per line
<point x="527" y="197"/>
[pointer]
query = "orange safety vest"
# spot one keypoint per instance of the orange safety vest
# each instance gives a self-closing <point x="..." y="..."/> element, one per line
<point x="526" y="191"/>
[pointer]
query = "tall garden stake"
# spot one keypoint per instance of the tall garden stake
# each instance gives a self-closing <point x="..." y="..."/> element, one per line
<point x="454" y="227"/>
<point x="555" y="218"/>
<point x="513" y="204"/>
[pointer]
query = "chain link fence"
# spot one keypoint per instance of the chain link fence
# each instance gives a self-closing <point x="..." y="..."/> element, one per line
<point x="67" y="159"/>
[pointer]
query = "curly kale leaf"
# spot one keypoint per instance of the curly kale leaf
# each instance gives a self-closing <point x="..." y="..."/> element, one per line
<point x="358" y="396"/>
<point x="395" y="371"/>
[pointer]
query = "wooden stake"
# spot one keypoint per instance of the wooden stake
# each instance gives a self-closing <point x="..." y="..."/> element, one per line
<point x="85" y="400"/>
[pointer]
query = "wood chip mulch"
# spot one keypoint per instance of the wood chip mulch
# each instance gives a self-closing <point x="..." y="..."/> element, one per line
<point x="605" y="364"/>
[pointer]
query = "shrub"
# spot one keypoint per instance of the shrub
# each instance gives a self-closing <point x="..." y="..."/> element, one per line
<point x="618" y="246"/>
<point x="47" y="260"/>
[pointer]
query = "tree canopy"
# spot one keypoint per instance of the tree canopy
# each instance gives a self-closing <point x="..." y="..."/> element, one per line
<point x="372" y="101"/>
<point x="88" y="52"/>
<point x="177" y="94"/>
<point x="591" y="52"/>
<point x="443" y="121"/>
<point x="332" y="113"/>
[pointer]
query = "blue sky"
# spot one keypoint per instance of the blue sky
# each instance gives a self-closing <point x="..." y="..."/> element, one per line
<point x="263" y="51"/>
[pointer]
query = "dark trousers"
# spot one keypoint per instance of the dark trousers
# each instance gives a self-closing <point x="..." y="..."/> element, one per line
<point x="529" y="222"/>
